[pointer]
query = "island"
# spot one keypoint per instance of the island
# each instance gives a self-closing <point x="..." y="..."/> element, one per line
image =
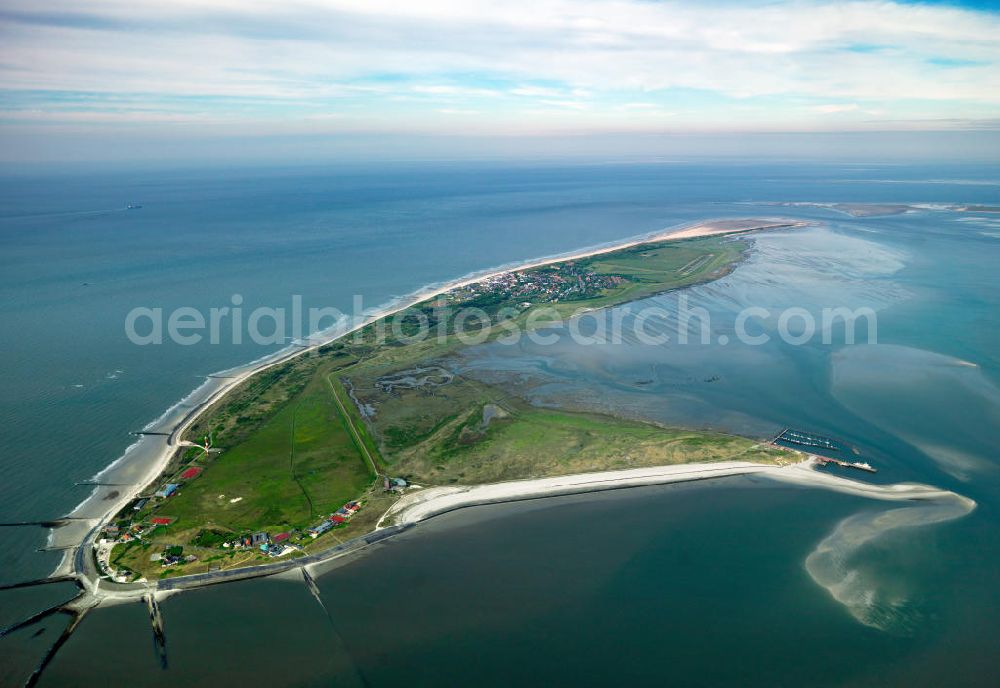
<point x="337" y="444"/>
<point x="313" y="452"/>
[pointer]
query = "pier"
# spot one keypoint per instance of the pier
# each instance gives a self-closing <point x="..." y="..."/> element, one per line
<point x="860" y="465"/>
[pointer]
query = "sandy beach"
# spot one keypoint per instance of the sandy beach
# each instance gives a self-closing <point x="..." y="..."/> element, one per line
<point x="828" y="564"/>
<point x="422" y="504"/>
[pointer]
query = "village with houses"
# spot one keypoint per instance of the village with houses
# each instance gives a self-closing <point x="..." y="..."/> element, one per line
<point x="145" y="524"/>
<point x="551" y="284"/>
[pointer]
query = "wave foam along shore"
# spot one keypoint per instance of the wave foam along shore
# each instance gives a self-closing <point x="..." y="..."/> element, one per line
<point x="145" y="461"/>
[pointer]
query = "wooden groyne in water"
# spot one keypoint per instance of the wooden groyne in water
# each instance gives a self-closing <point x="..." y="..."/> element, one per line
<point x="156" y="621"/>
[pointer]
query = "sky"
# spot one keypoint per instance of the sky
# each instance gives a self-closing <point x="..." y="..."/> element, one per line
<point x="118" y="78"/>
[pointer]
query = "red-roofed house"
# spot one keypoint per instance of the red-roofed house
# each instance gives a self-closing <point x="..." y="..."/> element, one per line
<point x="337" y="519"/>
<point x="163" y="521"/>
<point x="191" y="473"/>
<point x="280" y="537"/>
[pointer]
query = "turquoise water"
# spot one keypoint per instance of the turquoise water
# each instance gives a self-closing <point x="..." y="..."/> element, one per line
<point x="705" y="586"/>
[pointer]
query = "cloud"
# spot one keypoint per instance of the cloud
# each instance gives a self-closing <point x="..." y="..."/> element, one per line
<point x="571" y="104"/>
<point x="454" y="91"/>
<point x="599" y="62"/>
<point x="537" y="92"/>
<point x="832" y="108"/>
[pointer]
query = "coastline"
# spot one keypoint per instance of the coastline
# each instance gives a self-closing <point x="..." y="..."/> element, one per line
<point x="830" y="562"/>
<point x="925" y="504"/>
<point x="76" y="536"/>
<point x="426" y="503"/>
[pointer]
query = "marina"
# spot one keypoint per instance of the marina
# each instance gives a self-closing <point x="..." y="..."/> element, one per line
<point x="806" y="439"/>
<point x="799" y="438"/>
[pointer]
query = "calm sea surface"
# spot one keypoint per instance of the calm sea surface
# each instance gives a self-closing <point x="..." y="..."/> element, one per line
<point x="691" y="585"/>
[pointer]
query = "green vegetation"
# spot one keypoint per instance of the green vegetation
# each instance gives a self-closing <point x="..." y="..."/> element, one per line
<point x="120" y="556"/>
<point x="655" y="269"/>
<point x="626" y="275"/>
<point x="435" y="433"/>
<point x="529" y="442"/>
<point x="299" y="465"/>
<point x="248" y="407"/>
<point x="355" y="425"/>
<point x="210" y="538"/>
<point x="302" y="439"/>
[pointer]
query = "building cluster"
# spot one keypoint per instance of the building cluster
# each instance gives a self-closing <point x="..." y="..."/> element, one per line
<point x="276" y="546"/>
<point x="172" y="556"/>
<point x="133" y="524"/>
<point x="395" y="485"/>
<point x="127" y="532"/>
<point x="337" y="518"/>
<point x="168" y="490"/>
<point x="138" y="521"/>
<point x="566" y="281"/>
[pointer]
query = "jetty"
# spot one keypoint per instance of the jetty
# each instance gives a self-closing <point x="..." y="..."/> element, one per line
<point x="860" y="465"/>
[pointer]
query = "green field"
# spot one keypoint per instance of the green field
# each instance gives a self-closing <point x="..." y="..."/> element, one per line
<point x="530" y="442"/>
<point x="295" y="468"/>
<point x="298" y="466"/>
<point x="648" y="269"/>
<point x="654" y="269"/>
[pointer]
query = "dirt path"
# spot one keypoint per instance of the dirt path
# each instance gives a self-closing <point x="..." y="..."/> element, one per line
<point x="291" y="463"/>
<point x="350" y="424"/>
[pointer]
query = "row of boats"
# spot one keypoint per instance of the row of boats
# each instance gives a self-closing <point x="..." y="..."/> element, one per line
<point x="806" y="439"/>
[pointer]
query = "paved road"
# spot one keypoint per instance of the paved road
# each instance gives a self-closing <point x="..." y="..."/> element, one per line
<point x="212" y="577"/>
